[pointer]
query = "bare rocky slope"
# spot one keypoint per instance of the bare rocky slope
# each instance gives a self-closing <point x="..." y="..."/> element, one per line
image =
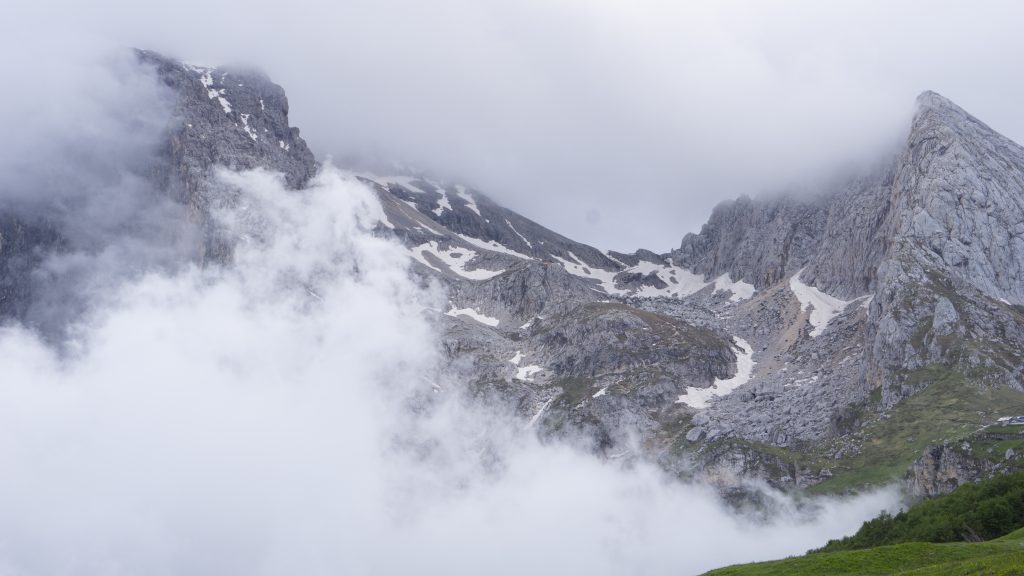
<point x="817" y="340"/>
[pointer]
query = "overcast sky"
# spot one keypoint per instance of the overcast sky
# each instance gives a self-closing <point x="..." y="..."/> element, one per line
<point x="618" y="123"/>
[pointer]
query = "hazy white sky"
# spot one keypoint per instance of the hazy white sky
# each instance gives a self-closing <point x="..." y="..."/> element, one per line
<point x="619" y="123"/>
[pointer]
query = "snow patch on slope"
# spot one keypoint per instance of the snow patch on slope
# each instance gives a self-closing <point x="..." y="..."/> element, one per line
<point x="699" y="397"/>
<point x="442" y="203"/>
<point x="823" y="307"/>
<point x="493" y="246"/>
<point x="679" y="282"/>
<point x="248" y="129"/>
<point x="206" y="79"/>
<point x="472" y="313"/>
<point x="455" y="258"/>
<point x="740" y="290"/>
<point x="540" y="412"/>
<point x="468" y="198"/>
<point x="606" y="278"/>
<point x="523" y="238"/>
<point x="528" y="372"/>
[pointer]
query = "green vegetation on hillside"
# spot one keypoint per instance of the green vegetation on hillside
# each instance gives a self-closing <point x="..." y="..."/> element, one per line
<point x="923" y="541"/>
<point x="1002" y="557"/>
<point x="972" y="512"/>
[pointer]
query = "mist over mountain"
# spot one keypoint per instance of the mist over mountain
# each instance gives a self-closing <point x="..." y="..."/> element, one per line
<point x="279" y="398"/>
<point x="395" y="339"/>
<point x="619" y="125"/>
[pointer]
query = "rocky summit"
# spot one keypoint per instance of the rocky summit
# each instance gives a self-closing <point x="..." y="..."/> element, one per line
<point x="827" y="341"/>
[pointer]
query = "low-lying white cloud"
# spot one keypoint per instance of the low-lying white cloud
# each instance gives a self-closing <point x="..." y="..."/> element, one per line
<point x="279" y="417"/>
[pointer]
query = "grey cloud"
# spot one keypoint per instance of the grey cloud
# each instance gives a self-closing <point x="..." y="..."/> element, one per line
<point x="647" y="112"/>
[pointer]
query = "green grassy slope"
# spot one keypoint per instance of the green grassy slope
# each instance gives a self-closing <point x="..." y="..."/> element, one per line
<point x="927" y="539"/>
<point x="972" y="512"/>
<point x="1001" y="557"/>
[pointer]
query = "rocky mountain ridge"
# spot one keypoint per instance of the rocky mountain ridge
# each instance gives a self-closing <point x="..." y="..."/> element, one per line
<point x="805" y="340"/>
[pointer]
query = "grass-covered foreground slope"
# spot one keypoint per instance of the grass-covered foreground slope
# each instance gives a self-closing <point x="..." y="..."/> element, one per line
<point x="1001" y="557"/>
<point x="972" y="512"/>
<point x="928" y="539"/>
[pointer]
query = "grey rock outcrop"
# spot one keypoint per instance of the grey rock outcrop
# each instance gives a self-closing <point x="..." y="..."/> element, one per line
<point x="223" y="117"/>
<point x="218" y="117"/>
<point x="945" y="466"/>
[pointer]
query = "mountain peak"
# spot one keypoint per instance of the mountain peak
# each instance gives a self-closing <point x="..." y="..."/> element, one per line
<point x="936" y="112"/>
<point x="930" y="99"/>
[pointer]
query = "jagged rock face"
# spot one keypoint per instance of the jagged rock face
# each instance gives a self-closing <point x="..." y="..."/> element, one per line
<point x="761" y="242"/>
<point x="23" y="246"/>
<point x="599" y="340"/>
<point x="219" y="117"/>
<point x="959" y="200"/>
<point x="982" y="455"/>
<point x="837" y="236"/>
<point x="942" y="468"/>
<point x="948" y="287"/>
<point x="527" y="290"/>
<point x="224" y="117"/>
<point x="928" y="245"/>
<point x="729" y="465"/>
<point x="229" y="117"/>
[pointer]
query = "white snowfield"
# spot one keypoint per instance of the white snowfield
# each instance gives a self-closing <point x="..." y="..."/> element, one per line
<point x="461" y="192"/>
<point x="528" y="372"/>
<point x="680" y="282"/>
<point x="206" y="79"/>
<point x="823" y="307"/>
<point x="472" y="313"/>
<point x="493" y="246"/>
<point x="442" y="203"/>
<point x="521" y="237"/>
<point x="517" y="358"/>
<point x="455" y="258"/>
<point x="248" y="129"/>
<point x="740" y="290"/>
<point x="699" y="397"/>
<point x="606" y="278"/>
